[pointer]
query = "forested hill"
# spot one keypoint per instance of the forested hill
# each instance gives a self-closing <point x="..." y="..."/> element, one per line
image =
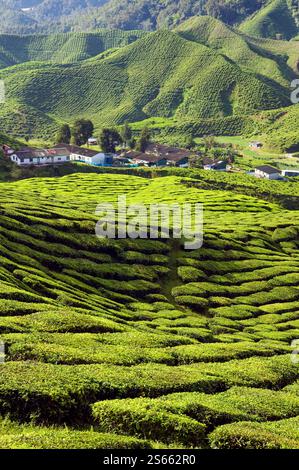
<point x="265" y="18"/>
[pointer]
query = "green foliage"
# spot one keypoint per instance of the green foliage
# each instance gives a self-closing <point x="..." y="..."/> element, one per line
<point x="109" y="138"/>
<point x="126" y="134"/>
<point x="81" y="131"/>
<point x="142" y="14"/>
<point x="177" y="417"/>
<point x="246" y="435"/>
<point x="141" y="338"/>
<point x="134" y="418"/>
<point x="15" y="436"/>
<point x="143" y="140"/>
<point x="276" y="20"/>
<point x="285" y="234"/>
<point x="69" y="390"/>
<point x="64" y="134"/>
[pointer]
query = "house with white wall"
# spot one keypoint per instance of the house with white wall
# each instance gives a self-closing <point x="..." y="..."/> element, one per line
<point x="33" y="156"/>
<point x="90" y="157"/>
<point x="290" y="173"/>
<point x="92" y="141"/>
<point x="215" y="165"/>
<point x="267" y="172"/>
<point x="255" y="145"/>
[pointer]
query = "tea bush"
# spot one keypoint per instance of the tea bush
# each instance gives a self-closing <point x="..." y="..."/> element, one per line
<point x="169" y="344"/>
<point x="247" y="435"/>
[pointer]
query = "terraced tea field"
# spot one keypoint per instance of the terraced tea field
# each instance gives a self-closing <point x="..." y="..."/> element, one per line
<point x="140" y="343"/>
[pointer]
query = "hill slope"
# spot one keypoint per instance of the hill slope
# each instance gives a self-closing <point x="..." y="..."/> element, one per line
<point x="122" y="339"/>
<point x="82" y="15"/>
<point x="264" y="56"/>
<point x="166" y="74"/>
<point x="61" y="48"/>
<point x="280" y="18"/>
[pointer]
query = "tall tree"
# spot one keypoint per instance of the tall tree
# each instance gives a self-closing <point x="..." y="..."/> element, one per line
<point x="126" y="134"/>
<point x="189" y="142"/>
<point x="82" y="130"/>
<point x="195" y="161"/>
<point x="209" y="142"/>
<point x="143" y="139"/>
<point x="109" y="139"/>
<point x="63" y="135"/>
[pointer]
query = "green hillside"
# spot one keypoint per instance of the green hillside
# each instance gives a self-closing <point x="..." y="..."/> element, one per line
<point x="275" y="128"/>
<point x="163" y="74"/>
<point x="179" y="343"/>
<point x="259" y="56"/>
<point x="279" y="17"/>
<point x="281" y="133"/>
<point x="61" y="48"/>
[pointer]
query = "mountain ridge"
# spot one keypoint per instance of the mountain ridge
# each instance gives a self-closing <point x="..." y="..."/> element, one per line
<point x="40" y="16"/>
<point x="278" y="19"/>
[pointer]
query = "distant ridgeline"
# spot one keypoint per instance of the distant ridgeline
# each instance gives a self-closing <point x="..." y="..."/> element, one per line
<point x="191" y="78"/>
<point x="264" y="18"/>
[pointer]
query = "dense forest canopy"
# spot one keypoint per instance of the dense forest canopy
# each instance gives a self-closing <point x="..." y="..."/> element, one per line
<point x="29" y="16"/>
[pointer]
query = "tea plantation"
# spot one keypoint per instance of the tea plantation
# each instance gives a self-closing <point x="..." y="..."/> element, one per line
<point x="140" y="343"/>
<point x="278" y="17"/>
<point x="190" y="76"/>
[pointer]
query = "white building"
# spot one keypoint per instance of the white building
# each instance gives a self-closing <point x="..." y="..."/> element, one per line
<point x="267" y="172"/>
<point x="255" y="145"/>
<point x="90" y="157"/>
<point x="207" y="163"/>
<point x="290" y="173"/>
<point x="32" y="156"/>
<point x="61" y="153"/>
<point x="218" y="165"/>
<point x="92" y="141"/>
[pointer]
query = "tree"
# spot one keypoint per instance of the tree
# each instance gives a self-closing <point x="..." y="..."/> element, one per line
<point x="216" y="153"/>
<point x="63" y="135"/>
<point x="189" y="142"/>
<point x="143" y="139"/>
<point x="230" y="155"/>
<point x="82" y="130"/>
<point x="126" y="134"/>
<point x="213" y="8"/>
<point x="132" y="144"/>
<point x="209" y="142"/>
<point x="16" y="172"/>
<point x="195" y="161"/>
<point x="73" y="140"/>
<point x="109" y="139"/>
